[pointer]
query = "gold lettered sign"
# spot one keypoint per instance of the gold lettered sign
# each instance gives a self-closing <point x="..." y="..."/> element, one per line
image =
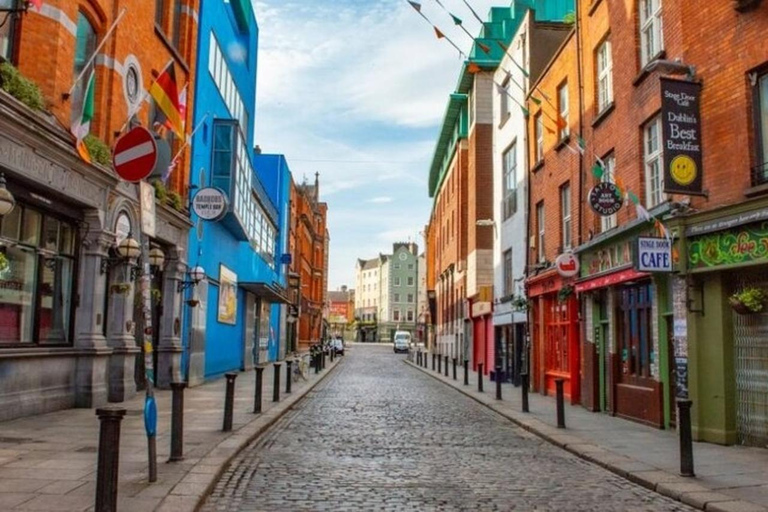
<point x="681" y="129"/>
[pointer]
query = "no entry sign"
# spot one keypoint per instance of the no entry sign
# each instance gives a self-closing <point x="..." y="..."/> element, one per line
<point x="135" y="154"/>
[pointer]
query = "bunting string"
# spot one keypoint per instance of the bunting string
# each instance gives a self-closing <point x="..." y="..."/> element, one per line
<point x="439" y="33"/>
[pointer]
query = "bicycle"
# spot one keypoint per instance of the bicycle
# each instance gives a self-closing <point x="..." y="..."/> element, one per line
<point x="300" y="367"/>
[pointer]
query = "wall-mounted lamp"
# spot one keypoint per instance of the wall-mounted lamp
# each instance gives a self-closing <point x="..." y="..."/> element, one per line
<point x="195" y="274"/>
<point x="7" y="201"/>
<point x="127" y="250"/>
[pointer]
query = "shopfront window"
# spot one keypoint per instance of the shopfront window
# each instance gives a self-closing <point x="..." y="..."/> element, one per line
<point x="635" y="330"/>
<point x="36" y="278"/>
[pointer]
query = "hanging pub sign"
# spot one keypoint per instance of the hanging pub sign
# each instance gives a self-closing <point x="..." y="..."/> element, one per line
<point x="210" y="203"/>
<point x="681" y="129"/>
<point x="654" y="254"/>
<point x="606" y="199"/>
<point x="567" y="264"/>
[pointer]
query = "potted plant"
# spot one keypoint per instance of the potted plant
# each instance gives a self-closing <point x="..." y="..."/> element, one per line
<point x="519" y="303"/>
<point x="565" y="293"/>
<point x="748" y="301"/>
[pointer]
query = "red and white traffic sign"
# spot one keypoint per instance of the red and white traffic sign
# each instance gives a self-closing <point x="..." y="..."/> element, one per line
<point x="135" y="154"/>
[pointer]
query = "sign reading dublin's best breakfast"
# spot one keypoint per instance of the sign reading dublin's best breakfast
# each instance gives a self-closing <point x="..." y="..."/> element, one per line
<point x="681" y="128"/>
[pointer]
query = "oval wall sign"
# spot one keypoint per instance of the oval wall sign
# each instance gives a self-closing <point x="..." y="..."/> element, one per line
<point x="210" y="203"/>
<point x="606" y="198"/>
<point x="567" y="264"/>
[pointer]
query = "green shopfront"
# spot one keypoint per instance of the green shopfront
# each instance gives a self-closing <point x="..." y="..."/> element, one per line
<point x="727" y="255"/>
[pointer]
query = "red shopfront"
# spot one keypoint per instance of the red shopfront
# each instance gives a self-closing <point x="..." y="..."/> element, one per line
<point x="483" y="347"/>
<point x="555" y="350"/>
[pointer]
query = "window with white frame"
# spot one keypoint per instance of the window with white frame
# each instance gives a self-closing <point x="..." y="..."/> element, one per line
<point x="397" y="297"/>
<point x="653" y="162"/>
<point x="509" y="165"/>
<point x="539" y="138"/>
<point x="540" y="231"/>
<point x="651" y="32"/>
<point x="409" y="318"/>
<point x="565" y="215"/>
<point x="562" y="107"/>
<point x="610" y="221"/>
<point x="604" y="76"/>
<point x="410" y="298"/>
<point x="410" y="281"/>
<point x="762" y="115"/>
<point x="505" y="108"/>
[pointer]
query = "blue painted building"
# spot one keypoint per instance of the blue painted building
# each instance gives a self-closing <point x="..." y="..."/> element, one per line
<point x="236" y="316"/>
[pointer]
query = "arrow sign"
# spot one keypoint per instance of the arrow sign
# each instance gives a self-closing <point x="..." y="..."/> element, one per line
<point x="135" y="154"/>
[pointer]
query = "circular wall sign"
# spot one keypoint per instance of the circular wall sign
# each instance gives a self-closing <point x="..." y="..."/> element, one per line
<point x="606" y="199"/>
<point x="403" y="256"/>
<point x="122" y="227"/>
<point x="210" y="203"/>
<point x="567" y="264"/>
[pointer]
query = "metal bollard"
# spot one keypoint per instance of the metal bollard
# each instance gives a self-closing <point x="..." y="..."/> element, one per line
<point x="466" y="372"/>
<point x="480" y="377"/>
<point x="686" y="438"/>
<point x="439" y="364"/>
<point x="433" y="361"/>
<point x="288" y="376"/>
<point x="498" y="382"/>
<point x="333" y="353"/>
<point x="317" y="362"/>
<point x="418" y="358"/>
<point x="109" y="455"/>
<point x="526" y="381"/>
<point x="454" y="368"/>
<point x="229" y="401"/>
<point x="276" y="383"/>
<point x="259" y="389"/>
<point x="322" y="359"/>
<point x="177" y="421"/>
<point x="446" y="366"/>
<point x="560" y="404"/>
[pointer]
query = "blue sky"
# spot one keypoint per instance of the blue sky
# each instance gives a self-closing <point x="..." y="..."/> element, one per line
<point x="356" y="90"/>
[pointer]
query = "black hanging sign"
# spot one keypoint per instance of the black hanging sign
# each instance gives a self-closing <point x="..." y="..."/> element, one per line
<point x="681" y="130"/>
<point x="606" y="199"/>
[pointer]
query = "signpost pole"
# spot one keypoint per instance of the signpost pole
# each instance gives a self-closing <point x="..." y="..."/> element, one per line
<point x="150" y="408"/>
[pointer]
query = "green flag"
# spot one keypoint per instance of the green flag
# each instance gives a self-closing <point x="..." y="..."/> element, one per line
<point x="81" y="127"/>
<point x="456" y="20"/>
<point x="597" y="171"/>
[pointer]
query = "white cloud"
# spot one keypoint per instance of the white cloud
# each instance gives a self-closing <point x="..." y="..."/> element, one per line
<point x="380" y="200"/>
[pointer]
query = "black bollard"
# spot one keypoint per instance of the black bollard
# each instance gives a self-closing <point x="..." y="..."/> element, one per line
<point x="288" y="376"/>
<point x="322" y="358"/>
<point x="418" y="358"/>
<point x="686" y="438"/>
<point x="109" y="455"/>
<point x="439" y="364"/>
<point x="498" y="383"/>
<point x="446" y="366"/>
<point x="454" y="368"/>
<point x="317" y="361"/>
<point x="526" y="380"/>
<point x="560" y="405"/>
<point x="433" y="361"/>
<point x="480" y="377"/>
<point x="466" y="372"/>
<point x="177" y="421"/>
<point x="333" y="353"/>
<point x="259" y="389"/>
<point x="276" y="384"/>
<point x="229" y="401"/>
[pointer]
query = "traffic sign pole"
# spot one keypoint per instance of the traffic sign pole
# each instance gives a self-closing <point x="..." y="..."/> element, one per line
<point x="150" y="407"/>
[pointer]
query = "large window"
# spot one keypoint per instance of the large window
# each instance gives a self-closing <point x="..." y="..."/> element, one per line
<point x="539" y="124"/>
<point x="409" y="316"/>
<point x="177" y="26"/>
<point x="397" y="297"/>
<point x="396" y="315"/>
<point x="36" y="283"/>
<point x="509" y="164"/>
<point x="562" y="107"/>
<point x="762" y="115"/>
<point x="219" y="70"/>
<point x="651" y="33"/>
<point x="85" y="43"/>
<point x="653" y="163"/>
<point x="410" y="281"/>
<point x="540" y="231"/>
<point x="7" y="23"/>
<point x="508" y="279"/>
<point x="610" y="221"/>
<point x="396" y="281"/>
<point x="604" y="76"/>
<point x="565" y="216"/>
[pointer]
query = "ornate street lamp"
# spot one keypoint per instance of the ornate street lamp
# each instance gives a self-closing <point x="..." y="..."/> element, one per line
<point x="129" y="249"/>
<point x="195" y="274"/>
<point x="156" y="257"/>
<point x="7" y="201"/>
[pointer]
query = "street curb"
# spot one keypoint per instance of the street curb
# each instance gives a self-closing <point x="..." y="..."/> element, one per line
<point x="189" y="494"/>
<point x="676" y="487"/>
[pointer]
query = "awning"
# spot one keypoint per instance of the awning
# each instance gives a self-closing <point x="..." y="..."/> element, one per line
<point x="610" y="279"/>
<point x="271" y="292"/>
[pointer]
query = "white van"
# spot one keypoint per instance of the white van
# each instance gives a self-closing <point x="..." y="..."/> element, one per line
<point x="402" y="341"/>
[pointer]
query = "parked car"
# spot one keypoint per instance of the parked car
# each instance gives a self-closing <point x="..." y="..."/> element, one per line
<point x="402" y="341"/>
<point x="337" y="344"/>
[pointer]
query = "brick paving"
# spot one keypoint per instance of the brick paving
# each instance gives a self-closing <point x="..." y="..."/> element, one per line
<point x="382" y="435"/>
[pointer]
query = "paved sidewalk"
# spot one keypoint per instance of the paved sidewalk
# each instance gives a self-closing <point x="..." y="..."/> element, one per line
<point x="728" y="478"/>
<point x="48" y="462"/>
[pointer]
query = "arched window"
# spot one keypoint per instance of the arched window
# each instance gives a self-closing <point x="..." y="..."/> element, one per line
<point x="85" y="42"/>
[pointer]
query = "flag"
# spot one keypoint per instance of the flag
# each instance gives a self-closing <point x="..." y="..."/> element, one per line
<point x="633" y="197"/>
<point x="81" y="127"/>
<point x="582" y="145"/>
<point x="526" y="112"/>
<point x="550" y="130"/>
<point x="439" y="34"/>
<point x="456" y="21"/>
<point x="597" y="171"/>
<point x="486" y="49"/>
<point x="561" y="123"/>
<point x="37" y="4"/>
<point x="183" y="103"/>
<point x="524" y="72"/>
<point x="169" y="170"/>
<point x="642" y="213"/>
<point x="415" y="5"/>
<point x="536" y="100"/>
<point x="166" y="95"/>
<point x="473" y="68"/>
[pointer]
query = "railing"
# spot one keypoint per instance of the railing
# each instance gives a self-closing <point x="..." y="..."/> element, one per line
<point x="760" y="174"/>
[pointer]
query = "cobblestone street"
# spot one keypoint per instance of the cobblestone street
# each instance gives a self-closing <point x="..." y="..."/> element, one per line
<point x="380" y="435"/>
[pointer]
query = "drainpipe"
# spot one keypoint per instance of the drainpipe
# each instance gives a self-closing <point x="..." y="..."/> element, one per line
<point x="581" y="122"/>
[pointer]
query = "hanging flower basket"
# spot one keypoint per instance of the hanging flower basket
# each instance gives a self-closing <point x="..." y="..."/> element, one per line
<point x="565" y="293"/>
<point x="748" y="301"/>
<point x="192" y="303"/>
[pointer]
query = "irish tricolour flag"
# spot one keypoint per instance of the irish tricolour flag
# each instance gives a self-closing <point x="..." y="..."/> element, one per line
<point x="81" y="127"/>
